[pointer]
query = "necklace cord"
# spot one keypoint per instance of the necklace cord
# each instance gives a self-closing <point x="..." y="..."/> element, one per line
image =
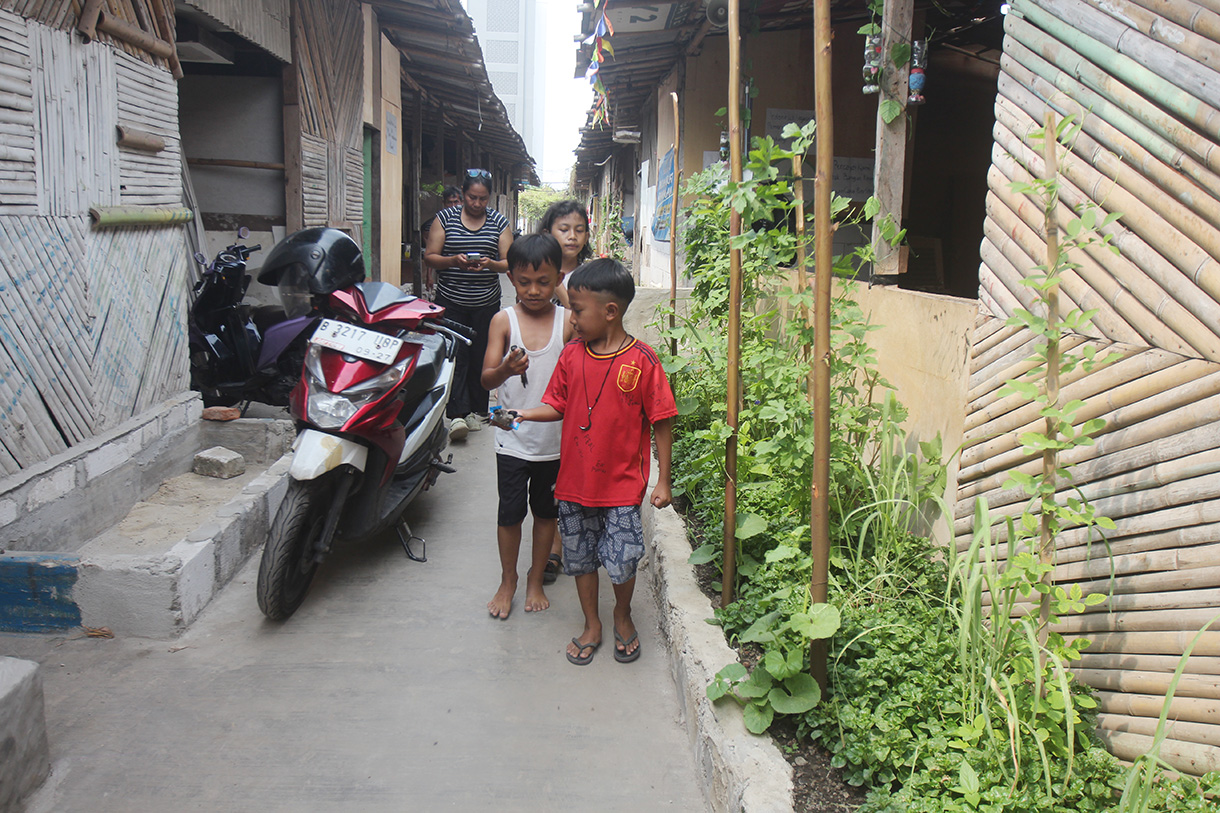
<point x="585" y="380"/>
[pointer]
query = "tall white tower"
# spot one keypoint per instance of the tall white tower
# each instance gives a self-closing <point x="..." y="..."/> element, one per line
<point x="512" y="37"/>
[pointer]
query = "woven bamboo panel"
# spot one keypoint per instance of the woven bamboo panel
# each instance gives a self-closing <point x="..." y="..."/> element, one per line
<point x="1141" y="76"/>
<point x="18" y="186"/>
<point x="329" y="36"/>
<point x="1155" y="470"/>
<point x="148" y="101"/>
<point x="74" y="86"/>
<point x="63" y="15"/>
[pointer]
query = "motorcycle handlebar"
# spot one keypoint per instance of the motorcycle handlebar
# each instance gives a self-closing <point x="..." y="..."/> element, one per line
<point x="457" y="329"/>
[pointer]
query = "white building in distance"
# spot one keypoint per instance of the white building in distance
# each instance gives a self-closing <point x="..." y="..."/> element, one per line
<point x="511" y="33"/>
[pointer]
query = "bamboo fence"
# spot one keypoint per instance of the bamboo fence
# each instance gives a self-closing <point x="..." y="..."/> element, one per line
<point x="328" y="36"/>
<point x="1142" y="77"/>
<point x="92" y="324"/>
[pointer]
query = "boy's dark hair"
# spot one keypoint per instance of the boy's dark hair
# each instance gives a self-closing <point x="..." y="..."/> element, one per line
<point x="604" y="276"/>
<point x="451" y="192"/>
<point x="563" y="208"/>
<point x="534" y="250"/>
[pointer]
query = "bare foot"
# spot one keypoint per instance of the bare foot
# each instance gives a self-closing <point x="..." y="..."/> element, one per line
<point x="501" y="603"/>
<point x="535" y="600"/>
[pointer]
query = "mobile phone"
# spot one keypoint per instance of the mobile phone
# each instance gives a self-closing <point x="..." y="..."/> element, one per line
<point x="473" y="255"/>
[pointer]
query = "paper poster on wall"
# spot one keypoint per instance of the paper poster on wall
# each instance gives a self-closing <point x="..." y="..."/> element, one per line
<point x="853" y="177"/>
<point x="778" y="117"/>
<point x="665" y="197"/>
<point x="391" y="132"/>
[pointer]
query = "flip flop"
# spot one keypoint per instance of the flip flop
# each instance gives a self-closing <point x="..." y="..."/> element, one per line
<point x="621" y="655"/>
<point x="553" y="568"/>
<point x="583" y="660"/>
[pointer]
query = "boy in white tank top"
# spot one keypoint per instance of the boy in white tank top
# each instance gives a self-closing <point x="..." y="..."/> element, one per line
<point x="523" y="346"/>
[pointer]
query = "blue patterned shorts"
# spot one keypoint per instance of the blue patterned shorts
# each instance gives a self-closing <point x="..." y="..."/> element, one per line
<point x="611" y="537"/>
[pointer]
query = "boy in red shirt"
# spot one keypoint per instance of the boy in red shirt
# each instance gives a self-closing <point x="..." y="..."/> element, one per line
<point x="610" y="387"/>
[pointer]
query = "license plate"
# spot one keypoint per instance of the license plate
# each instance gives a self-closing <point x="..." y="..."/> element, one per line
<point x="356" y="341"/>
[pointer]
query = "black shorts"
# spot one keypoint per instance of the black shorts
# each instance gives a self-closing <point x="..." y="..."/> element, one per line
<point x="518" y="480"/>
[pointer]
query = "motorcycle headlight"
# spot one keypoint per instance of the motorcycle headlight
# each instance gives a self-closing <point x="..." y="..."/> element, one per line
<point x="331" y="410"/>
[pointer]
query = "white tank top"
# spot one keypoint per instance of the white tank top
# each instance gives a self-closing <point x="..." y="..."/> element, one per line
<point x="531" y="440"/>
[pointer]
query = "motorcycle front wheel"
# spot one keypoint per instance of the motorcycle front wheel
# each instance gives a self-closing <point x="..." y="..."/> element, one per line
<point x="288" y="565"/>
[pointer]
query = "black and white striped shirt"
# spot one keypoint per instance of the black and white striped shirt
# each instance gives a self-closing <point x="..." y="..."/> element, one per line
<point x="470" y="289"/>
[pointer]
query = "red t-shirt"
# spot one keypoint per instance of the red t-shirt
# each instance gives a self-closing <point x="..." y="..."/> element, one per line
<point x="607" y="463"/>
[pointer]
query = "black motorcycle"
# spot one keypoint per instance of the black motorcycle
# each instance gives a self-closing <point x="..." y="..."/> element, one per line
<point x="240" y="353"/>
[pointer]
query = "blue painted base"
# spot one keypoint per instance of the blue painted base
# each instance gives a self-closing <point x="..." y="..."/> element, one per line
<point x="36" y="592"/>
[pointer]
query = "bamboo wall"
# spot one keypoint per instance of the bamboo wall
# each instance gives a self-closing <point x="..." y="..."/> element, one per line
<point x="324" y="96"/>
<point x="266" y="24"/>
<point x="154" y="17"/>
<point x="1142" y="77"/>
<point x="92" y="323"/>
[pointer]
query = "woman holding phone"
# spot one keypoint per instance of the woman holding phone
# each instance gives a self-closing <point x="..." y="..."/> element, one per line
<point x="467" y="246"/>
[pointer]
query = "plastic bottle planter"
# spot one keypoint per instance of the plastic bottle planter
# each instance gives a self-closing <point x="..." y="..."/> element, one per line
<point x="915" y="81"/>
<point x="872" y="63"/>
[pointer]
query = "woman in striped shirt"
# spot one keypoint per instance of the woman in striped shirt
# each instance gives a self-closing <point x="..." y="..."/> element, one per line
<point x="467" y="245"/>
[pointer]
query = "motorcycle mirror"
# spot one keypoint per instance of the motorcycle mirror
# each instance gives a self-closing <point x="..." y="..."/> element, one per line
<point x="201" y="258"/>
<point x="243" y="233"/>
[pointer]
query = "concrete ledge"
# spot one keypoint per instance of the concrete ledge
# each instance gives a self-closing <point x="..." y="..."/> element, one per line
<point x="24" y="755"/>
<point x="741" y="771"/>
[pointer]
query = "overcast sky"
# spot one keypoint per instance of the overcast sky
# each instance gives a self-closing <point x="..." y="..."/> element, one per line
<point x="567" y="99"/>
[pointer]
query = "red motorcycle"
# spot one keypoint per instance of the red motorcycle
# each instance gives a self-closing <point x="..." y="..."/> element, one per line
<point x="370" y="410"/>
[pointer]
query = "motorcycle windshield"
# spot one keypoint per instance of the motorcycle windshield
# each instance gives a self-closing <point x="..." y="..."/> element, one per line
<point x="294" y="291"/>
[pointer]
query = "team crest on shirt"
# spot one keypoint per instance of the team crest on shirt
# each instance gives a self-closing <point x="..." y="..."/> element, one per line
<point x="628" y="377"/>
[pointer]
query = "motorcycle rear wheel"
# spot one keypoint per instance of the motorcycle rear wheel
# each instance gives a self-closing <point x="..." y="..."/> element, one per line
<point x="288" y="566"/>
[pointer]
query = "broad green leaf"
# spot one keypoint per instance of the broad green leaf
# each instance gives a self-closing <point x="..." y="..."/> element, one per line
<point x="822" y="621"/>
<point x="702" y="554"/>
<point x="798" y="695"/>
<point x="758" y="718"/>
<point x="750" y="525"/>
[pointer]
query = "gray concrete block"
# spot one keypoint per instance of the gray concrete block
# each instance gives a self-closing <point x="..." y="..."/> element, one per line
<point x="51" y="487"/>
<point x="219" y="462"/>
<point x="8" y="511"/>
<point x="196" y="577"/>
<point x="130" y="595"/>
<point x="24" y="755"/>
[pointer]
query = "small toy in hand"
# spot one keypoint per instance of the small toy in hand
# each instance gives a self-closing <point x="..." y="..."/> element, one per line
<point x="516" y="351"/>
<point x="503" y="418"/>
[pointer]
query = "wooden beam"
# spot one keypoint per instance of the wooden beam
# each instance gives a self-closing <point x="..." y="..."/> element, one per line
<point x="890" y="169"/>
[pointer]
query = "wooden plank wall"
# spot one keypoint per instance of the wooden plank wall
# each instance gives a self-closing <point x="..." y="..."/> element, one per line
<point x="328" y="40"/>
<point x="1142" y="77"/>
<point x="92" y="323"/>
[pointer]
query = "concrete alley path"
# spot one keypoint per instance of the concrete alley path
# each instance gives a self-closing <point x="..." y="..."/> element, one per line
<point x="389" y="690"/>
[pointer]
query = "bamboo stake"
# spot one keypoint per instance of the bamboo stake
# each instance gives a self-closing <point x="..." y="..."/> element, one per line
<point x="164" y="16"/>
<point x="734" y="349"/>
<point x="673" y="227"/>
<point x="1046" y="547"/>
<point x="819" y="517"/>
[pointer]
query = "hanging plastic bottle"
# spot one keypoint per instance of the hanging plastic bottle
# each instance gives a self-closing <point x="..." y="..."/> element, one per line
<point x="919" y="63"/>
<point x="872" y="63"/>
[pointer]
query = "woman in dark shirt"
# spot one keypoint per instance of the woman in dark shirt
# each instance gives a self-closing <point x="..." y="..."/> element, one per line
<point x="467" y="246"/>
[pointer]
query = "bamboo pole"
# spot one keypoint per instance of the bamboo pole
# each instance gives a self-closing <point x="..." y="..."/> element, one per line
<point x="133" y="35"/>
<point x="1204" y="21"/>
<point x="233" y="162"/>
<point x="164" y="16"/>
<point x="1163" y="29"/>
<point x="734" y="349"/>
<point x="1186" y="757"/>
<point x="86" y="24"/>
<point x="673" y="227"/>
<point x="138" y="139"/>
<point x="819" y="517"/>
<point x="106" y="217"/>
<point x="1186" y="709"/>
<point x="1046" y="546"/>
<point x="1170" y="642"/>
<point x="1200" y="733"/>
